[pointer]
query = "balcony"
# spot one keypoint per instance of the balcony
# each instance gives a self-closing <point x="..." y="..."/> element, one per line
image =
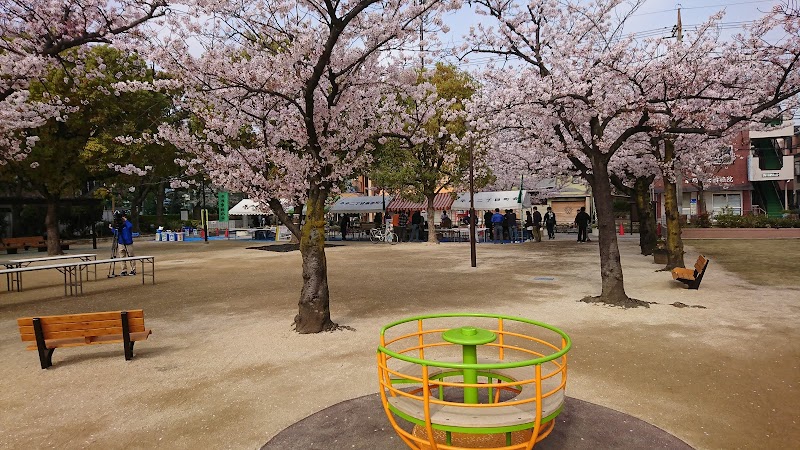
<point x="754" y="173"/>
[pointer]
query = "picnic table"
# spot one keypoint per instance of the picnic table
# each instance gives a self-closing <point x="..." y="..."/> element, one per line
<point x="16" y="263"/>
<point x="72" y="271"/>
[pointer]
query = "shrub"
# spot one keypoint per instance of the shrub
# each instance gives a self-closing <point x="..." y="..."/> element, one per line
<point x="751" y="221"/>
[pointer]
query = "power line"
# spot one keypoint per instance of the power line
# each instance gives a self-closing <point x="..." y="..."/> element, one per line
<point x="702" y="7"/>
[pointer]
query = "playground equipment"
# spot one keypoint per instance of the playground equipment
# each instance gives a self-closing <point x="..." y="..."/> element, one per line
<point x="472" y="380"/>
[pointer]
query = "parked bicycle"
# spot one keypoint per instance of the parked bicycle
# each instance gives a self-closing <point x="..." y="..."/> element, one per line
<point x="383" y="234"/>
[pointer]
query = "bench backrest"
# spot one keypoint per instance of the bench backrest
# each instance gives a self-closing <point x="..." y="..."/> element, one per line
<point x="81" y="325"/>
<point x="29" y="240"/>
<point x="700" y="265"/>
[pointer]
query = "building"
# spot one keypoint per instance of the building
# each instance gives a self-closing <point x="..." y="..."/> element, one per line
<point x="756" y="174"/>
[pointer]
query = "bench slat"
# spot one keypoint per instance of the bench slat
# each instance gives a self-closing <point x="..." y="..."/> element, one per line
<point x="77" y="342"/>
<point x="92" y="332"/>
<point x="137" y="323"/>
<point x="87" y="317"/>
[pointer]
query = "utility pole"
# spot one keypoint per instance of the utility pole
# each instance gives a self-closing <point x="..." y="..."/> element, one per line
<point x="677" y="33"/>
<point x="421" y="37"/>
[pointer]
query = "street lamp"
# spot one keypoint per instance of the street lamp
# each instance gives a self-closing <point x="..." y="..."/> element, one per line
<point x="472" y="254"/>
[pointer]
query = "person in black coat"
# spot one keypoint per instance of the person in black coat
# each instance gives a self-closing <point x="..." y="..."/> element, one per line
<point x="550" y="223"/>
<point x="537" y="225"/>
<point x="582" y="221"/>
<point x="343" y="223"/>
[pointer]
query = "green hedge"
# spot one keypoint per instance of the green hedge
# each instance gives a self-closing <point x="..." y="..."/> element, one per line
<point x="751" y="221"/>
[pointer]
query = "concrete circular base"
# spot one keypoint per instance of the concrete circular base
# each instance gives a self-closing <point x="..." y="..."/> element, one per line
<point x="361" y="424"/>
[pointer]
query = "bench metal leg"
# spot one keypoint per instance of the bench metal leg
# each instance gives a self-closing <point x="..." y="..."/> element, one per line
<point x="126" y="336"/>
<point x="45" y="354"/>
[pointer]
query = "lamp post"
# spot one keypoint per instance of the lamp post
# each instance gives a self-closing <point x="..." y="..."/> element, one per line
<point x="472" y="254"/>
<point x="204" y="213"/>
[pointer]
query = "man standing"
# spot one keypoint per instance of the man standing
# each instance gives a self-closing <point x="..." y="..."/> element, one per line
<point x="582" y="221"/>
<point x="550" y="223"/>
<point x="343" y="223"/>
<point x="487" y="222"/>
<point x="497" y="226"/>
<point x="537" y="225"/>
<point x="511" y="219"/>
<point x="402" y="223"/>
<point x="125" y="239"/>
<point x="416" y="222"/>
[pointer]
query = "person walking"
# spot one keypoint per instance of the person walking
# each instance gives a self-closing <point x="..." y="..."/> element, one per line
<point x="550" y="223"/>
<point x="582" y="221"/>
<point x="497" y="226"/>
<point x="402" y="223"/>
<point x="343" y="223"/>
<point x="125" y="239"/>
<point x="416" y="222"/>
<point x="537" y="225"/>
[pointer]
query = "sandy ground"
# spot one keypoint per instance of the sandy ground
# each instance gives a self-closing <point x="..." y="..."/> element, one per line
<point x="223" y="368"/>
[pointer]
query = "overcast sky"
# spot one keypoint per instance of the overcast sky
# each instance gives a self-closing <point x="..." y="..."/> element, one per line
<point x="656" y="17"/>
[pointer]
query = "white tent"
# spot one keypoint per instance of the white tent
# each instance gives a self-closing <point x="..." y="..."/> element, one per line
<point x="360" y="205"/>
<point x="247" y="207"/>
<point x="491" y="200"/>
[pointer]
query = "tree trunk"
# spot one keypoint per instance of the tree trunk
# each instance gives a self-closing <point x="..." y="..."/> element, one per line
<point x="431" y="226"/>
<point x="647" y="220"/>
<point x="16" y="213"/>
<point x="314" y="313"/>
<point x="135" y="210"/>
<point x="610" y="264"/>
<point x="51" y="224"/>
<point x="701" y="202"/>
<point x="160" y="197"/>
<point x="673" y="238"/>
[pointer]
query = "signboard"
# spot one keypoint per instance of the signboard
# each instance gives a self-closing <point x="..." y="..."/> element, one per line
<point x="222" y="206"/>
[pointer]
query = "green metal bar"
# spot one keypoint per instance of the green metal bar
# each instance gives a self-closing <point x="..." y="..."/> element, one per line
<point x="470" y="356"/>
<point x="448" y="436"/>
<point x="508" y="439"/>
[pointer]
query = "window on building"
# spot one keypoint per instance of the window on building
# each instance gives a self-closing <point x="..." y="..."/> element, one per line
<point x="727" y="204"/>
<point x="724" y="156"/>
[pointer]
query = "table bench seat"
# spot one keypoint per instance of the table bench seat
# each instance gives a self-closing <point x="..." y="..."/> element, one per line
<point x="72" y="271"/>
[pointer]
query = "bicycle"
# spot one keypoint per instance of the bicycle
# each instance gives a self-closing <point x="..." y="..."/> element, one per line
<point x="382" y="235"/>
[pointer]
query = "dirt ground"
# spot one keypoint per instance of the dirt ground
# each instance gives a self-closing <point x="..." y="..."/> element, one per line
<point x="223" y="368"/>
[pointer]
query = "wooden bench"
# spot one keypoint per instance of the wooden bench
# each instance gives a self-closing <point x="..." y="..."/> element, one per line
<point x="72" y="330"/>
<point x="13" y="244"/>
<point x="691" y="277"/>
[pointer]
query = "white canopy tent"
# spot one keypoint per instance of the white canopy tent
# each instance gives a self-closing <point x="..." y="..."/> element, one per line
<point x="247" y="207"/>
<point x="360" y="205"/>
<point x="491" y="200"/>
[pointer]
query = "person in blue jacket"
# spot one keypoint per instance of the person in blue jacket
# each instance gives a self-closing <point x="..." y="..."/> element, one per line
<point x="125" y="239"/>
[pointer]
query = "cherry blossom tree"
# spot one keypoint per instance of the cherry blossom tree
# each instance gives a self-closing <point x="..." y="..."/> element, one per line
<point x="59" y="166"/>
<point x="586" y="87"/>
<point x="568" y="86"/>
<point x="287" y="99"/>
<point x="34" y="38"/>
<point x="711" y="88"/>
<point x="425" y="154"/>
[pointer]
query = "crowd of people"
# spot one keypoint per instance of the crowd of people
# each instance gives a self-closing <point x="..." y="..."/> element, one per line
<point x="501" y="227"/>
